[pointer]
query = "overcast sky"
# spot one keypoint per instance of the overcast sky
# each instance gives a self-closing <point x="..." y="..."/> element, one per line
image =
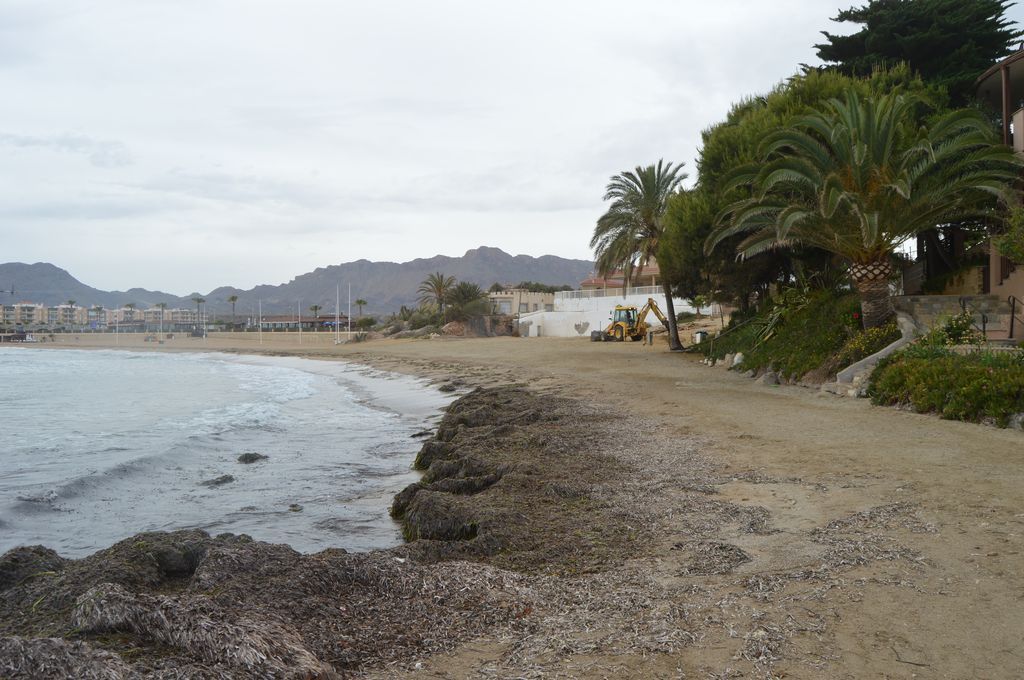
<point x="188" y="144"/>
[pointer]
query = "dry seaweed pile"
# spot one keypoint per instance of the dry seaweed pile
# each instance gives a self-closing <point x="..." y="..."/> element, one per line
<point x="581" y="550"/>
<point x="524" y="481"/>
<point x="183" y="604"/>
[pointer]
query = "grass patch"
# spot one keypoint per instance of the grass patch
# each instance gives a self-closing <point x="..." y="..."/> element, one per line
<point x="803" y="332"/>
<point x="974" y="387"/>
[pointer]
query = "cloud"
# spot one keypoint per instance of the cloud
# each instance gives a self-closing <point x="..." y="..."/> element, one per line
<point x="101" y="153"/>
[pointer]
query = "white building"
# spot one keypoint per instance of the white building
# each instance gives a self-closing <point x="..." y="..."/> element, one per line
<point x="578" y="312"/>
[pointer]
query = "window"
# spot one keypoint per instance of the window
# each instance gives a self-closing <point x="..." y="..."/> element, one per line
<point x="524" y="307"/>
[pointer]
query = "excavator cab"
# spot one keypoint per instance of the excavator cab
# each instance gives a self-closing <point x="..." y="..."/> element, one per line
<point x="625" y="315"/>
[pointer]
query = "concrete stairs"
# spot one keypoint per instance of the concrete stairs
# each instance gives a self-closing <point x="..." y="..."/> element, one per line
<point x="928" y="311"/>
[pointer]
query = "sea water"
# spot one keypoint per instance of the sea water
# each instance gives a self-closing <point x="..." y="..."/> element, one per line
<point x="96" y="446"/>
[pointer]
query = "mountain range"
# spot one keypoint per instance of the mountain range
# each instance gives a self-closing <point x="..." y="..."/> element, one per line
<point x="386" y="286"/>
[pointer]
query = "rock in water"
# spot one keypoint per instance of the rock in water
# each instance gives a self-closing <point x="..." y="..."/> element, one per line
<point x="251" y="457"/>
<point x="218" y="481"/>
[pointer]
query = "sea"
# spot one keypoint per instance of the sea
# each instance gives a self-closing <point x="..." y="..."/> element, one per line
<point x="96" y="446"/>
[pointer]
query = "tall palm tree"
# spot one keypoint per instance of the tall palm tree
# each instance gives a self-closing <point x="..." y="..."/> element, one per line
<point x="130" y="306"/>
<point x="198" y="300"/>
<point x="232" y="299"/>
<point x="435" y="289"/>
<point x="627" y="235"/>
<point x="316" y="314"/>
<point x="71" y="316"/>
<point x="360" y="303"/>
<point x="858" y="178"/>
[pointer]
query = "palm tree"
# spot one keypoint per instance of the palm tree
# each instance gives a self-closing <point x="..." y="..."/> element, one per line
<point x="360" y="303"/>
<point x="316" y="314"/>
<point x="462" y="298"/>
<point x="435" y="289"/>
<point x="627" y="235"/>
<point x="232" y="299"/>
<point x="859" y="178"/>
<point x="71" y="316"/>
<point x="130" y="306"/>
<point x="198" y="300"/>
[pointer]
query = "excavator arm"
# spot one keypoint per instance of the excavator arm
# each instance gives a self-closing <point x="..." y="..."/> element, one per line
<point x="651" y="306"/>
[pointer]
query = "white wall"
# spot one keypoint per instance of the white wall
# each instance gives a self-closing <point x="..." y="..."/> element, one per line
<point x="575" y="318"/>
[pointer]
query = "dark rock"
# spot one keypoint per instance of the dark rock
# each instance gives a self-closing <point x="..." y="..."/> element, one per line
<point x="422" y="433"/>
<point x="294" y="507"/>
<point x="251" y="457"/>
<point x="447" y="387"/>
<point x="218" y="481"/>
<point x="24" y="562"/>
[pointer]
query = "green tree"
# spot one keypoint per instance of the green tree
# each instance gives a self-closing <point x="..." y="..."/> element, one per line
<point x="736" y="142"/>
<point x="316" y="314"/>
<point x="496" y="288"/>
<point x="434" y="289"/>
<point x="360" y="303"/>
<point x="859" y="177"/>
<point x="535" y="287"/>
<point x="949" y="42"/>
<point x="232" y="299"/>
<point x="466" y="300"/>
<point x="628" y="234"/>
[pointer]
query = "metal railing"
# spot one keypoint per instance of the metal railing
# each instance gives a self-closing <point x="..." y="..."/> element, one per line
<point x="607" y="292"/>
<point x="1014" y="303"/>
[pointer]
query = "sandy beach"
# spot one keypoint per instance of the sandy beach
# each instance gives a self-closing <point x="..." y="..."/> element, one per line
<point x="779" y="532"/>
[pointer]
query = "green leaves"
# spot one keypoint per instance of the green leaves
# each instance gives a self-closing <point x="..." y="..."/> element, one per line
<point x="859" y="177"/>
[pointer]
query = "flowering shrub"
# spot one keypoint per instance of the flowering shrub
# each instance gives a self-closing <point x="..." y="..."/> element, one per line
<point x="956" y="330"/>
<point x="971" y="387"/>
<point x="866" y="343"/>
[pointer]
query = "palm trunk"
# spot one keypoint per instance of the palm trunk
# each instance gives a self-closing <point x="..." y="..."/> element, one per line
<point x="871" y="279"/>
<point x="670" y="311"/>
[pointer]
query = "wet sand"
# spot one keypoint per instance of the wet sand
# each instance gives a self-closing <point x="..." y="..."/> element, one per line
<point x="844" y="540"/>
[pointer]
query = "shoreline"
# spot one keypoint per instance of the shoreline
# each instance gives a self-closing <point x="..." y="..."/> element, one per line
<point x="328" y="485"/>
<point x="776" y="531"/>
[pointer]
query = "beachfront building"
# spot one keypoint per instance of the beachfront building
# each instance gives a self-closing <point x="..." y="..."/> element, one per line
<point x="67" y="316"/>
<point x="1002" y="89"/>
<point x="520" y="301"/>
<point x="25" y="314"/>
<point x="177" y="319"/>
<point x="291" y="322"/>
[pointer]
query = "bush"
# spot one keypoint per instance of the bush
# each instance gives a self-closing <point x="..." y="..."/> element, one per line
<point x="956" y="330"/>
<point x="424" y="316"/>
<point x="866" y="343"/>
<point x="800" y="333"/>
<point x="971" y="387"/>
<point x="366" y="323"/>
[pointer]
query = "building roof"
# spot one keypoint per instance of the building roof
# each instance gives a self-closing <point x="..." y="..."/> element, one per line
<point x="615" y="278"/>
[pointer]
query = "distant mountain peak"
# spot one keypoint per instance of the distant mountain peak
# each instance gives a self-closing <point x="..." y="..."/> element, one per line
<point x="385" y="285"/>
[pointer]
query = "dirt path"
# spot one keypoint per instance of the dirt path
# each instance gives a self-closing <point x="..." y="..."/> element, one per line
<point x="889" y="544"/>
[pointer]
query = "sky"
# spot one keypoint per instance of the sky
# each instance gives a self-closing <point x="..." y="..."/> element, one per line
<point x="183" y="145"/>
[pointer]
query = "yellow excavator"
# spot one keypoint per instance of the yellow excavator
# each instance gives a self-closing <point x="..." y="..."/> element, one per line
<point x="628" y="322"/>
